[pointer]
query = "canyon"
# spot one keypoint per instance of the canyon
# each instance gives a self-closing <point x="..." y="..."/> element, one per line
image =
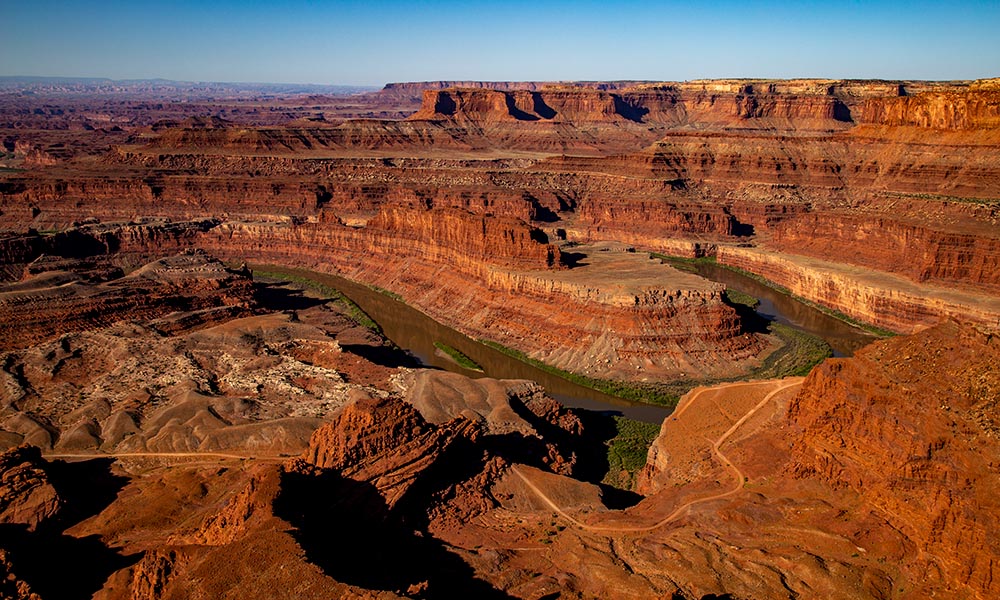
<point x="197" y="428"/>
<point x="894" y="177"/>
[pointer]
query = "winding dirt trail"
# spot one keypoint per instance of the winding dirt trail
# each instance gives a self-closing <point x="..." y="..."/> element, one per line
<point x="716" y="448"/>
<point x="684" y="507"/>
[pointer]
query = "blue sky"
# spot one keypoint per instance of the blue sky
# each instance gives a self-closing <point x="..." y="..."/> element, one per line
<point x="370" y="43"/>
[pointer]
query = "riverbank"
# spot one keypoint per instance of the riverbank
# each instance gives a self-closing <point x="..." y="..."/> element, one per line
<point x="692" y="265"/>
<point x="797" y="353"/>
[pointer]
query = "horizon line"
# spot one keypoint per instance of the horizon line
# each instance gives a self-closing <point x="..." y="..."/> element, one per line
<point x="97" y="78"/>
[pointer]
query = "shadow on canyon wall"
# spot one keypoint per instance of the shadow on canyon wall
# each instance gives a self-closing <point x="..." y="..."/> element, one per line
<point x="59" y="566"/>
<point x="347" y="530"/>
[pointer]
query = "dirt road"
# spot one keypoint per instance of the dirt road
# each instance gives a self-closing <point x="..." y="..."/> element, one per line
<point x="716" y="448"/>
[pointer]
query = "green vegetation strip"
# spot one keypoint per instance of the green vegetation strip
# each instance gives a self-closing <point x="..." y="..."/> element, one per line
<point x="463" y="361"/>
<point x="690" y="265"/>
<point x="799" y="354"/>
<point x="627" y="451"/>
<point x="385" y="292"/>
<point x="649" y="393"/>
<point x="334" y="295"/>
<point x="741" y="298"/>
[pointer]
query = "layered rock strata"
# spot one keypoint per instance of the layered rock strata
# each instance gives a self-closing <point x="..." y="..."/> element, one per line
<point x="886" y="301"/>
<point x="182" y="381"/>
<point x="869" y="173"/>
<point x="57" y="297"/>
<point x="642" y="318"/>
<point x="846" y="488"/>
<point x="620" y="315"/>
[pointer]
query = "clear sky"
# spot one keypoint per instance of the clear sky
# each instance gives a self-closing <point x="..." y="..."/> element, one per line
<point x="373" y="42"/>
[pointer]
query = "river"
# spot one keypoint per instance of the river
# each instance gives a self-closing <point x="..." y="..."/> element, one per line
<point x="415" y="332"/>
<point x="843" y="337"/>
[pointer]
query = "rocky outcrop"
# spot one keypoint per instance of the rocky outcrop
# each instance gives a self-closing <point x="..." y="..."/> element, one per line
<point x="251" y="508"/>
<point x="462" y="268"/>
<point x="257" y="384"/>
<point x="282" y="188"/>
<point x="731" y="164"/>
<point x="152" y="575"/>
<point x="500" y="405"/>
<point x="618" y="328"/>
<point x="911" y="426"/>
<point x="387" y="444"/>
<point x="32" y="253"/>
<point x="413" y="92"/>
<point x="26" y="495"/>
<point x="247" y="548"/>
<point x="420" y="86"/>
<point x="570" y="106"/>
<point x="369" y="134"/>
<point x="876" y="198"/>
<point x="663" y="104"/>
<point x="651" y="222"/>
<point x="505" y="410"/>
<point x="775" y="163"/>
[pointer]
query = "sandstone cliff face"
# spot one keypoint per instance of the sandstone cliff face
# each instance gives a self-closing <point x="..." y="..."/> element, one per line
<point x="355" y="134"/>
<point x="749" y="167"/>
<point x="841" y="88"/>
<point x="649" y="221"/>
<point x="285" y="189"/>
<point x="249" y="509"/>
<point x="766" y="162"/>
<point x="659" y="332"/>
<point x="662" y="105"/>
<point x="151" y="576"/>
<point x="886" y="244"/>
<point x="751" y="109"/>
<point x="411" y="93"/>
<point x="911" y="426"/>
<point x="937" y="110"/>
<point x="248" y="548"/>
<point x="420" y="86"/>
<point x="506" y="242"/>
<point x="871" y="297"/>
<point x="463" y="268"/>
<point x="564" y="105"/>
<point x="875" y="203"/>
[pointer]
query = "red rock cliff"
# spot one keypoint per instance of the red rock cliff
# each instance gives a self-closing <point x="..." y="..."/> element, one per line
<point x="938" y="110"/>
<point x="663" y="105"/>
<point x="444" y="233"/>
<point x="911" y="425"/>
